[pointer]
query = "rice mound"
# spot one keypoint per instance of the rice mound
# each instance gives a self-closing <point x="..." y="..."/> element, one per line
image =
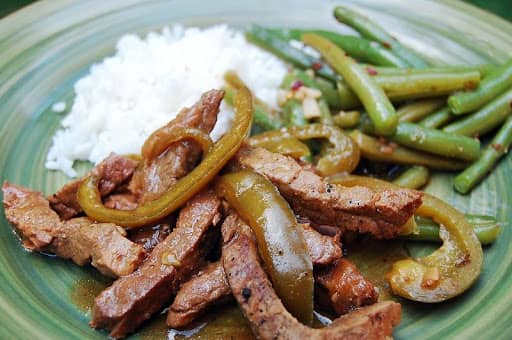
<point x="148" y="81"/>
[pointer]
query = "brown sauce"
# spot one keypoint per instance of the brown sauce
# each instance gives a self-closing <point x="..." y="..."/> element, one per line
<point x="85" y="290"/>
<point x="374" y="259"/>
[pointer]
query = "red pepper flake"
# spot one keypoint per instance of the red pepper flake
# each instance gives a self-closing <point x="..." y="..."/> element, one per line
<point x="387" y="45"/>
<point x="317" y="66"/>
<point x="497" y="146"/>
<point x="296" y="85"/>
<point x="371" y="71"/>
<point x="470" y="85"/>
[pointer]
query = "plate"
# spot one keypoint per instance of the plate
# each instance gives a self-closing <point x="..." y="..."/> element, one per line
<point x="47" y="46"/>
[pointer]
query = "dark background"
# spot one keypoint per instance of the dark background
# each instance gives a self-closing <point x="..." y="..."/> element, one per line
<point x="502" y="8"/>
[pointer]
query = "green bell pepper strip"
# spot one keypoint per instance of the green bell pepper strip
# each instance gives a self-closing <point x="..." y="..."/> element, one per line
<point x="448" y="271"/>
<point x="90" y="200"/>
<point x="160" y="140"/>
<point x="280" y="240"/>
<point x="343" y="156"/>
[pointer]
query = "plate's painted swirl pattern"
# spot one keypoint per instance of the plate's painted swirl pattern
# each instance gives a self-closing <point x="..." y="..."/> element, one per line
<point x="49" y="45"/>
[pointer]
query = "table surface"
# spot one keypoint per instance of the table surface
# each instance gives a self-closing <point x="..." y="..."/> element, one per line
<point x="499" y="7"/>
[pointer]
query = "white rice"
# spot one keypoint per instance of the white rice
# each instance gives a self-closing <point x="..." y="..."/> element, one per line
<point x="145" y="84"/>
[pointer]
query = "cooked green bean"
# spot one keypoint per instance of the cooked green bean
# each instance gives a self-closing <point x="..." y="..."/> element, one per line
<point x="374" y="150"/>
<point x="413" y="85"/>
<point x="483" y="69"/>
<point x="484" y="120"/>
<point x="329" y="93"/>
<point x="437" y="119"/>
<point x="499" y="146"/>
<point x="417" y="110"/>
<point x="378" y="106"/>
<point x="431" y="140"/>
<point x="264" y="119"/>
<point x="414" y="178"/>
<point x="346" y="119"/>
<point x="325" y="113"/>
<point x="359" y="48"/>
<point x="281" y="48"/>
<point x="486" y="229"/>
<point x="293" y="113"/>
<point x="491" y="86"/>
<point x="371" y="30"/>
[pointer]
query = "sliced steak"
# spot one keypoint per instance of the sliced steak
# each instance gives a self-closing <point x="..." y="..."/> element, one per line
<point x="149" y="237"/>
<point x="79" y="239"/>
<point x="30" y="214"/>
<point x="122" y="201"/>
<point x="132" y="299"/>
<point x="103" y="244"/>
<point x="345" y="287"/>
<point x="158" y="175"/>
<point x="209" y="287"/>
<point x="359" y="209"/>
<point x="264" y="310"/>
<point x="113" y="171"/>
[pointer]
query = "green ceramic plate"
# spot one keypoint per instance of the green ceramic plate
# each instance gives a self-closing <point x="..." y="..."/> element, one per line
<point x="46" y="47"/>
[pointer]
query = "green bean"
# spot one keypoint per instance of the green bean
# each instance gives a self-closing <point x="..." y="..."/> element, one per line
<point x="483" y="69"/>
<point x="414" y="178"/>
<point x="437" y="119"/>
<point x="328" y="91"/>
<point x="378" y="106"/>
<point x="484" y="120"/>
<point x="374" y="150"/>
<point x="415" y="111"/>
<point x="281" y="48"/>
<point x="325" y="113"/>
<point x="486" y="229"/>
<point x="359" y="48"/>
<point x="371" y="30"/>
<point x="346" y="119"/>
<point x="499" y="146"/>
<point x="431" y="140"/>
<point x="490" y="87"/>
<point x="293" y="113"/>
<point x="413" y="85"/>
<point x="264" y="119"/>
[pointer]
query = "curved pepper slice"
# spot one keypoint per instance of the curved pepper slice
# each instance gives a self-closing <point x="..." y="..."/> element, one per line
<point x="343" y="156"/>
<point x="280" y="241"/>
<point x="447" y="272"/>
<point x="152" y="211"/>
<point x="160" y="140"/>
<point x="290" y="146"/>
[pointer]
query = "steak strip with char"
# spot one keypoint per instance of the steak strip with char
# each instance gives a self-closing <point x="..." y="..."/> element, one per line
<point x="210" y="287"/>
<point x="359" y="209"/>
<point x="132" y="299"/>
<point x="264" y="310"/>
<point x="78" y="239"/>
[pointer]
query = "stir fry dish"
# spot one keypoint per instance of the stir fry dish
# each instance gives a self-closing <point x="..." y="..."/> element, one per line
<point x="265" y="216"/>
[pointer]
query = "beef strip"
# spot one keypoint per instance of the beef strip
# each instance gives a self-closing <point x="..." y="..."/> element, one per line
<point x="209" y="287"/>
<point x="158" y="175"/>
<point x="31" y="216"/>
<point x="132" y="299"/>
<point x="149" y="237"/>
<point x="113" y="171"/>
<point x="78" y="239"/>
<point x="264" y="310"/>
<point x="344" y="286"/>
<point x="360" y="209"/>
